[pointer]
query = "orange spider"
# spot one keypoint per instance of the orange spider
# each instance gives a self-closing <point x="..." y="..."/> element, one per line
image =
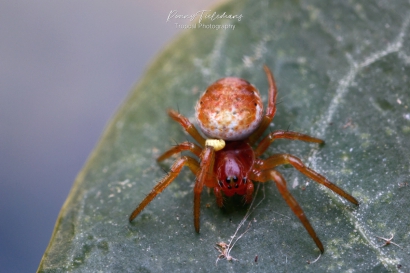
<point x="230" y="113"/>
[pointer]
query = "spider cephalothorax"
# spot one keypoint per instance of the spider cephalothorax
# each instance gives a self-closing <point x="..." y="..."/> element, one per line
<point x="230" y="114"/>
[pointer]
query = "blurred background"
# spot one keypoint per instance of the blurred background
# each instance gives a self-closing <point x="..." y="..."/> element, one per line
<point x="65" y="67"/>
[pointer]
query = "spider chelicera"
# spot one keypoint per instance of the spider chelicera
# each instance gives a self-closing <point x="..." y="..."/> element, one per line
<point x="230" y="114"/>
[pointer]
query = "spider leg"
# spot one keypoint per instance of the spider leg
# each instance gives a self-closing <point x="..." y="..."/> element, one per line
<point x="264" y="144"/>
<point x="161" y="185"/>
<point x="205" y="176"/>
<point x="249" y="192"/>
<point x="187" y="125"/>
<point x="219" y="196"/>
<point x="280" y="159"/>
<point x="270" y="111"/>
<point x="184" y="146"/>
<point x="290" y="200"/>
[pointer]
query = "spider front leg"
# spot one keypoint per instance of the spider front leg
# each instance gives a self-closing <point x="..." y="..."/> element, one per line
<point x="205" y="176"/>
<point x="219" y="196"/>
<point x="290" y="200"/>
<point x="175" y="170"/>
<point x="264" y="144"/>
<point x="280" y="159"/>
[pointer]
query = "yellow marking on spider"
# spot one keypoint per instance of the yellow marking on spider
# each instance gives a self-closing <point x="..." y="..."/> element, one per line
<point x="218" y="144"/>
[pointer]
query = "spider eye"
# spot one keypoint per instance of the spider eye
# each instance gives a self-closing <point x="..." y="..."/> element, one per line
<point x="220" y="183"/>
<point x="235" y="179"/>
<point x="244" y="180"/>
<point x="228" y="179"/>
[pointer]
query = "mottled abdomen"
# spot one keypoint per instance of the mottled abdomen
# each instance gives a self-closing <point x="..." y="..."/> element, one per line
<point x="230" y="109"/>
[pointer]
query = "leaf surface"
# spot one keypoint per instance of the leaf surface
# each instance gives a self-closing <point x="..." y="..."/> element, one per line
<point x="342" y="70"/>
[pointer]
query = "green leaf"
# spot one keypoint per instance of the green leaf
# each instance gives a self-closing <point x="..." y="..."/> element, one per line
<point x="342" y="70"/>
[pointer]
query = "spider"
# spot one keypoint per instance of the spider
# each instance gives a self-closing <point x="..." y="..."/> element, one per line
<point x="230" y="114"/>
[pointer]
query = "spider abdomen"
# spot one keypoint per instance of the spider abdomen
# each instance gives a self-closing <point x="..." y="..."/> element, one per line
<point x="230" y="109"/>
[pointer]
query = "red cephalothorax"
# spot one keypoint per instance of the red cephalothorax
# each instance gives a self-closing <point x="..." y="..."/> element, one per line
<point x="233" y="165"/>
<point x="230" y="113"/>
